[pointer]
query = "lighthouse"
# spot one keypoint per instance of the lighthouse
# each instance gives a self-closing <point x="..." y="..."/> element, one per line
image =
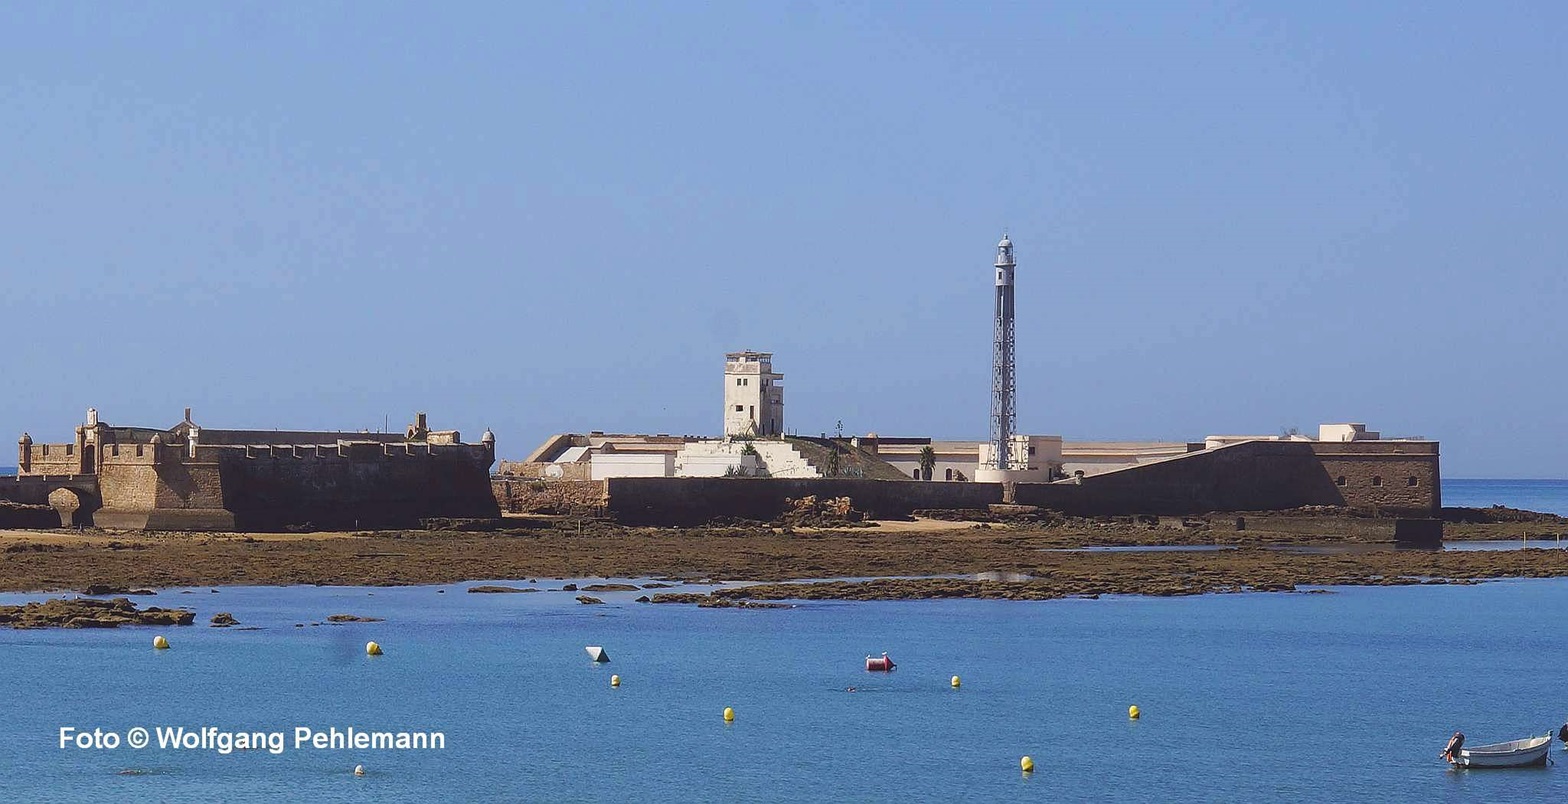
<point x="1007" y="456"/>
<point x="1004" y="381"/>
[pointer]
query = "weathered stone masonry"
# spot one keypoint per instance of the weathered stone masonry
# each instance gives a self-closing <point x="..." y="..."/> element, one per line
<point x="190" y="478"/>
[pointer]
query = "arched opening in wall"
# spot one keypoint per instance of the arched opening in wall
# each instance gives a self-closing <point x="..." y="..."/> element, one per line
<point x="1412" y="481"/>
<point x="1377" y="480"/>
<point x="1339" y="481"/>
<point x="72" y="507"/>
<point x="89" y="465"/>
<point x="914" y="473"/>
<point x="949" y="474"/>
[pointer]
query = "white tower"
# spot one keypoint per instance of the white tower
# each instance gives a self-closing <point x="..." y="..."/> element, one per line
<point x="753" y="396"/>
<point x="1004" y="384"/>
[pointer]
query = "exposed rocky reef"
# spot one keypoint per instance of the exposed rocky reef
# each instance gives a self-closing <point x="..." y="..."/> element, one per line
<point x="88" y="613"/>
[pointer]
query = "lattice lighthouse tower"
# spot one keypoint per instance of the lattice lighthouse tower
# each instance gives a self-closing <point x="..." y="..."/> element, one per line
<point x="1004" y="385"/>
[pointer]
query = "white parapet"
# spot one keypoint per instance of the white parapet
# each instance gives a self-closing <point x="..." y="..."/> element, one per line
<point x="604" y="465"/>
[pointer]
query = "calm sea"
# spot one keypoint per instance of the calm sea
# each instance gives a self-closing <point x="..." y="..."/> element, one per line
<point x="1341" y="696"/>
<point x="1548" y="496"/>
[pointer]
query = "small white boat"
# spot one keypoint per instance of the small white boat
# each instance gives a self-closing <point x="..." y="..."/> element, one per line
<point x="1512" y="754"/>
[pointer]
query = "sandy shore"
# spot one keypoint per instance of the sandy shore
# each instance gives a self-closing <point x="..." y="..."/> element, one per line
<point x="45" y="561"/>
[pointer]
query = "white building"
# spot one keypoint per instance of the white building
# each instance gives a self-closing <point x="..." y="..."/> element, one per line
<point x="1347" y="432"/>
<point x="753" y="396"/>
<point x="1036" y="458"/>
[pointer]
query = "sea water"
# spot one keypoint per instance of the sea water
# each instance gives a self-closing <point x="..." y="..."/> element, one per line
<point x="1546" y="496"/>
<point x="1347" y="695"/>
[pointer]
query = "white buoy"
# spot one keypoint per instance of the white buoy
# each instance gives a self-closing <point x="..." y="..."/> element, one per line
<point x="359" y="770"/>
<point x="372" y="649"/>
<point x="597" y="653"/>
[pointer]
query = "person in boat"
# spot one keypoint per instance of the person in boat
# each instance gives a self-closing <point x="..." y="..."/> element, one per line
<point x="1451" y="751"/>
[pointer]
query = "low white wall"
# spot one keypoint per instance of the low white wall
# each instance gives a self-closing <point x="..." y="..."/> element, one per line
<point x="605" y="465"/>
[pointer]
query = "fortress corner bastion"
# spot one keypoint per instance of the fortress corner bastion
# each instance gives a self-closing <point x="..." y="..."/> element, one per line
<point x="189" y="477"/>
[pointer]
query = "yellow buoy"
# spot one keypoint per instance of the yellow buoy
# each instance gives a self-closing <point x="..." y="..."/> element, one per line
<point x="956" y="682"/>
<point x="359" y="770"/>
<point x="615" y="681"/>
<point x="160" y="643"/>
<point x="1132" y="712"/>
<point x="1027" y="764"/>
<point x="729" y="715"/>
<point x="372" y="649"/>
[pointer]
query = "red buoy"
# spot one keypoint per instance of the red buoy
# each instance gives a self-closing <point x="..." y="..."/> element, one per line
<point x="883" y="664"/>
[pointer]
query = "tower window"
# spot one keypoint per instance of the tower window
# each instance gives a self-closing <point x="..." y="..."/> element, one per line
<point x="1339" y="481"/>
<point x="950" y="474"/>
<point x="1412" y="481"/>
<point x="739" y="408"/>
<point x="1377" y="480"/>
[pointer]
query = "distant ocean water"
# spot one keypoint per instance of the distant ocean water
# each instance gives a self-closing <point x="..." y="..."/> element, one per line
<point x="1546" y="496"/>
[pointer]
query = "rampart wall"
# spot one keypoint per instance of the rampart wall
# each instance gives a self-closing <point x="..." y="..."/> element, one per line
<point x="52" y="459"/>
<point x="25" y="490"/>
<point x="1373" y="476"/>
<point x="1388" y="477"/>
<point x="534" y="496"/>
<point x="286" y="487"/>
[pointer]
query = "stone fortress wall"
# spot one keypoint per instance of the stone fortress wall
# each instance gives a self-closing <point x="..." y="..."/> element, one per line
<point x="1390" y="478"/>
<point x="190" y="478"/>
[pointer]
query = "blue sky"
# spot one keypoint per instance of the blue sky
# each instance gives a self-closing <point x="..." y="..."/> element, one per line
<point x="1229" y="218"/>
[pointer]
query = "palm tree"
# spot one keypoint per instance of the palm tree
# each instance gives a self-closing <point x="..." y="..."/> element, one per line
<point x="927" y="461"/>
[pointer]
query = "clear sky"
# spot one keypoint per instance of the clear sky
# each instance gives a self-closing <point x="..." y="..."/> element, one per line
<point x="551" y="217"/>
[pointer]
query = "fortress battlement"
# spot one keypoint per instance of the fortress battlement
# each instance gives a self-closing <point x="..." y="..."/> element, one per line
<point x="195" y="478"/>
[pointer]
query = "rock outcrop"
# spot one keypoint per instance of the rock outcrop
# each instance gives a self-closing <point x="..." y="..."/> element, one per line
<point x="88" y="613"/>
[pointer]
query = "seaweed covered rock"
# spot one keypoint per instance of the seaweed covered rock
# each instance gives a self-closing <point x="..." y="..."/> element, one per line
<point x="88" y="613"/>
